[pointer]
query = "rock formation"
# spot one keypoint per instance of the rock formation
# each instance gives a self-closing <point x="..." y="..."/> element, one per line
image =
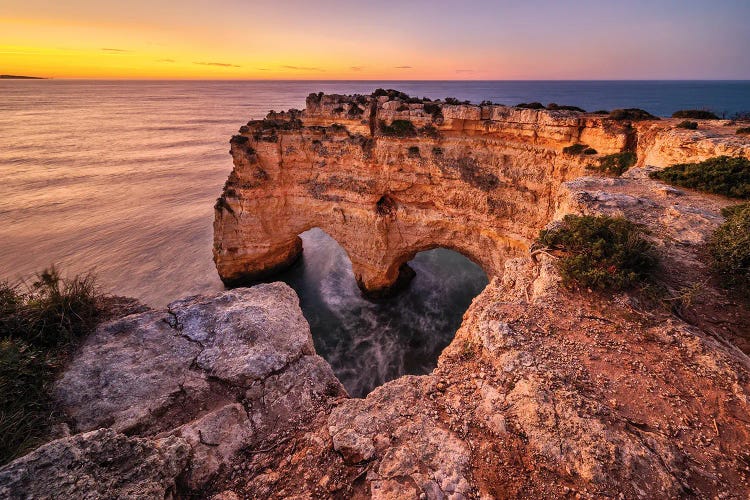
<point x="387" y="177"/>
<point x="545" y="392"/>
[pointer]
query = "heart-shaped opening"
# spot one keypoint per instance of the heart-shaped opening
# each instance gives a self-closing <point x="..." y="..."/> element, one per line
<point x="366" y="342"/>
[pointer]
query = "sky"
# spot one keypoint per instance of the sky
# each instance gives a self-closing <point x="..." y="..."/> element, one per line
<point x="377" y="39"/>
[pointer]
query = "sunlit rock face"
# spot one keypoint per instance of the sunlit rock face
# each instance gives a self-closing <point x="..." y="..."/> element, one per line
<point x="387" y="178"/>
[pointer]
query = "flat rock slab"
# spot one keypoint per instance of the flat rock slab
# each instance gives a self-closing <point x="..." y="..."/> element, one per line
<point x="102" y="464"/>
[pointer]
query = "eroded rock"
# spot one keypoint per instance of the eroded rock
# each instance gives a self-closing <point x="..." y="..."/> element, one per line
<point x="101" y="464"/>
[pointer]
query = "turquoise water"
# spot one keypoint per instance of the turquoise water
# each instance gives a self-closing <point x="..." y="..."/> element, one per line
<point x="120" y="178"/>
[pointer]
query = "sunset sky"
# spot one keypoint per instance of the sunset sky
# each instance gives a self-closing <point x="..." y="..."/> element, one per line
<point x="385" y="39"/>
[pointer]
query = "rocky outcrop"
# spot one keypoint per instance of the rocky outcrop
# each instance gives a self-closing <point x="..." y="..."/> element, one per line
<point x="218" y="376"/>
<point x="97" y="464"/>
<point x="390" y="176"/>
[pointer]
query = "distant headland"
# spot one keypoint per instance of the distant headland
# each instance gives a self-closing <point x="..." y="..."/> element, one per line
<point x="20" y="77"/>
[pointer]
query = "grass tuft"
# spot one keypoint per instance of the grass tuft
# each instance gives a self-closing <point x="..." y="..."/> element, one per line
<point x="40" y="324"/>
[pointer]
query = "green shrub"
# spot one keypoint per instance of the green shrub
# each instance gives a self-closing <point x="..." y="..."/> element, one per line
<point x="435" y="110"/>
<point x="730" y="248"/>
<point x="723" y="175"/>
<point x="695" y="114"/>
<point x="530" y="105"/>
<point x="454" y="101"/>
<point x="402" y="107"/>
<point x="688" y="125"/>
<point x="437" y="151"/>
<point x="579" y="149"/>
<point x="633" y="114"/>
<point x="743" y="131"/>
<point x="39" y="325"/>
<point x="355" y="111"/>
<point x="601" y="112"/>
<point x="556" y="107"/>
<point x="413" y="152"/>
<point x="429" y="131"/>
<point x="398" y="128"/>
<point x="600" y="252"/>
<point x="616" y="163"/>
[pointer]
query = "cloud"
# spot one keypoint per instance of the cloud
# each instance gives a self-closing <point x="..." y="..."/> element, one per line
<point x="166" y="60"/>
<point x="301" y="68"/>
<point x="115" y="51"/>
<point x="356" y="68"/>
<point x="403" y="67"/>
<point x="223" y="65"/>
<point x="464" y="71"/>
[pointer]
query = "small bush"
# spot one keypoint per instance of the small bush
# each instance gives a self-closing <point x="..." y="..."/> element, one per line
<point x="730" y="248"/>
<point x="743" y="131"/>
<point x="39" y="325"/>
<point x="413" y="152"/>
<point x="338" y="110"/>
<point x="579" y="149"/>
<point x="355" y="111"/>
<point x="604" y="253"/>
<point x="454" y="101"/>
<point x="429" y="131"/>
<point x="601" y="112"/>
<point x="633" y="114"/>
<point x="720" y="175"/>
<point x="239" y="139"/>
<point x="437" y="151"/>
<point x="402" y="107"/>
<point x="530" y="105"/>
<point x="688" y="125"/>
<point x="695" y="114"/>
<point x="616" y="163"/>
<point x="556" y="107"/>
<point x="398" y="128"/>
<point x="435" y="110"/>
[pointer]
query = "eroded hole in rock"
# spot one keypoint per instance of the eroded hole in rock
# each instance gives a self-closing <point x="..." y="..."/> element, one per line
<point x="385" y="206"/>
<point x="369" y="343"/>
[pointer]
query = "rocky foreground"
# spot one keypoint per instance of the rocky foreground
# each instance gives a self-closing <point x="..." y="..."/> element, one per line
<point x="544" y="392"/>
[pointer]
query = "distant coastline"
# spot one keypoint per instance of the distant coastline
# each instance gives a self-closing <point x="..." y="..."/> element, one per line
<point x="19" y="77"/>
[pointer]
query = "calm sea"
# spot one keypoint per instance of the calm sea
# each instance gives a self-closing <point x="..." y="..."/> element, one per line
<point x="120" y="177"/>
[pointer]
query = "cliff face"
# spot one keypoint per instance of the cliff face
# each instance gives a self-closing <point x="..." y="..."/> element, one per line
<point x="388" y="178"/>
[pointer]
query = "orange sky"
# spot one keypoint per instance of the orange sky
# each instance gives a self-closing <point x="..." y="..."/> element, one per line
<point x="332" y="39"/>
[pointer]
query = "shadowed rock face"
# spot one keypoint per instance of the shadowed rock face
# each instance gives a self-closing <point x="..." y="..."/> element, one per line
<point x="388" y="178"/>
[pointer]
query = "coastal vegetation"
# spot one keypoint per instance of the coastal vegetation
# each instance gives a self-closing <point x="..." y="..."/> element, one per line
<point x="398" y="128"/>
<point x="688" y="125"/>
<point x="725" y="175"/>
<point x="598" y="252"/>
<point x="695" y="114"/>
<point x="616" y="163"/>
<point x="40" y="324"/>
<point x="729" y="246"/>
<point x="632" y="114"/>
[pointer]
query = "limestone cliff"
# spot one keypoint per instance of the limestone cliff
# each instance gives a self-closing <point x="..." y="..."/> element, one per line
<point x="387" y="177"/>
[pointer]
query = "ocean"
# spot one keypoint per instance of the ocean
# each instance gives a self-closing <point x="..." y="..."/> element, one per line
<point x="119" y="178"/>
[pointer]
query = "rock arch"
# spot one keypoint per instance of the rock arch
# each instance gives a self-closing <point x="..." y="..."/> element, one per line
<point x="481" y="180"/>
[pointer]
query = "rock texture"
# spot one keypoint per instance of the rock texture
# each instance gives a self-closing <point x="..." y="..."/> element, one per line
<point x="97" y="464"/>
<point x="216" y="375"/>
<point x="481" y="180"/>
